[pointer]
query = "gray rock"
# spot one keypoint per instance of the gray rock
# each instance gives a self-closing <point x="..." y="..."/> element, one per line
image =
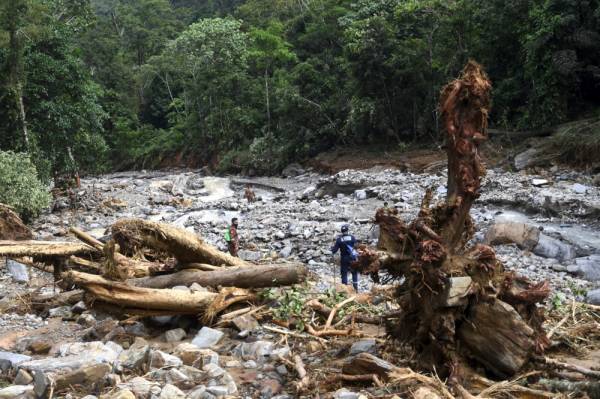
<point x="580" y="188"/>
<point x="258" y="350"/>
<point x="17" y="392"/>
<point x="134" y="357"/>
<point x="343" y="393"/>
<point x="171" y="392"/>
<point x="286" y="251"/>
<point x="364" y="345"/>
<point x="23" y="378"/>
<point x="61" y="311"/>
<point x="250" y="364"/>
<point x="245" y="323"/>
<point x="587" y="267"/>
<point x="250" y="255"/>
<point x="17" y="271"/>
<point x="159" y="359"/>
<point x="207" y="337"/>
<point x="549" y="247"/>
<point x="218" y="390"/>
<point x="593" y="297"/>
<point x="90" y="397"/>
<point x="525" y="159"/>
<point x="198" y="393"/>
<point x="360" y="195"/>
<point x="281" y="369"/>
<point x="79" y="307"/>
<point x="140" y="387"/>
<point x="293" y="170"/>
<point x="9" y="360"/>
<point x="175" y="335"/>
<point x="539" y="182"/>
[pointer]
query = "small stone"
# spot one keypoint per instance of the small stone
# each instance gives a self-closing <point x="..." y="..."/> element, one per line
<point x="345" y="394"/>
<point x="79" y="307"/>
<point x="40" y="347"/>
<point x="245" y="323"/>
<point x="285" y="252"/>
<point x="61" y="311"/>
<point x="17" y="271"/>
<point x="250" y="364"/>
<point x="124" y="394"/>
<point x="539" y="182"/>
<point x="313" y="346"/>
<point x="141" y="387"/>
<point x="281" y="369"/>
<point x="213" y="370"/>
<point x="135" y="356"/>
<point x="175" y="335"/>
<point x="233" y="364"/>
<point x="171" y="392"/>
<point x="195" y="287"/>
<point x="90" y="397"/>
<point x="198" y="392"/>
<point x="270" y="387"/>
<point x="23" y="378"/>
<point x="360" y="195"/>
<point x="218" y="390"/>
<point x="86" y="320"/>
<point x="207" y="337"/>
<point x="159" y="359"/>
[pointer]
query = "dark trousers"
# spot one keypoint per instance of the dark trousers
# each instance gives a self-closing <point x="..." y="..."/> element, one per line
<point x="345" y="269"/>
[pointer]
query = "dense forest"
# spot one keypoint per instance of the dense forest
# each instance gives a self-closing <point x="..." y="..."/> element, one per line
<point x="93" y="85"/>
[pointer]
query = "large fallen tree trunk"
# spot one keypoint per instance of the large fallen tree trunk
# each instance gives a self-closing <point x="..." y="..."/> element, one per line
<point x="242" y="277"/>
<point x="134" y="234"/>
<point x="457" y="300"/>
<point x="43" y="249"/>
<point x="126" y="296"/>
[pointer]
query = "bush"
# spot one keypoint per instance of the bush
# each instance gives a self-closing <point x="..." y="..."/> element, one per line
<point x="20" y="187"/>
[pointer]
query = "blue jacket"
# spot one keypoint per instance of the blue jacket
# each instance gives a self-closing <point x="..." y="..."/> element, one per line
<point x="342" y="243"/>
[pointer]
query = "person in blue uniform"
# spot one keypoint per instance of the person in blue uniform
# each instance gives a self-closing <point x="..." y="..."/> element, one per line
<point x="345" y="244"/>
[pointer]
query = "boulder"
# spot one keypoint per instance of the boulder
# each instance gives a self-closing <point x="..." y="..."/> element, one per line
<point x="17" y="271"/>
<point x="593" y="297"/>
<point x="134" y="357"/>
<point x="17" y="392"/>
<point x="549" y="247"/>
<point x="587" y="268"/>
<point x="526" y="159"/>
<point x="523" y="234"/>
<point x="10" y="360"/>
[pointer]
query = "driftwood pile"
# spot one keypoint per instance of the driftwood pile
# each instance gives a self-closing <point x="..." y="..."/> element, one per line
<point x="134" y="272"/>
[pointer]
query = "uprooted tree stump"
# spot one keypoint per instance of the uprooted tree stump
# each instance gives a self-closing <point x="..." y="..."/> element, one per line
<point x="457" y="300"/>
<point x="11" y="225"/>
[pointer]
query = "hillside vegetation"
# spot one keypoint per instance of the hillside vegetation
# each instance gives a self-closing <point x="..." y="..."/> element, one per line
<point x="253" y="85"/>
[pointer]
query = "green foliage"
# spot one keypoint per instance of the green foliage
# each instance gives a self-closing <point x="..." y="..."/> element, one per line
<point x="578" y="142"/>
<point x="291" y="304"/>
<point x="252" y="85"/>
<point x="20" y="187"/>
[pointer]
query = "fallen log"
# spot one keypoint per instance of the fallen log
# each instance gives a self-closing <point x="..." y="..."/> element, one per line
<point x="124" y="295"/>
<point x="134" y="234"/>
<point x="43" y="249"/>
<point x="86" y="238"/>
<point x="242" y="277"/>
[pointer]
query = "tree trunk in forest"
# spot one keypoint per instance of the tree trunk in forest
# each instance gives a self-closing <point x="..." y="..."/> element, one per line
<point x="242" y="277"/>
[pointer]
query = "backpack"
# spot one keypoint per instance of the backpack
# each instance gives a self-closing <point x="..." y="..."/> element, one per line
<point x="353" y="252"/>
<point x="227" y="235"/>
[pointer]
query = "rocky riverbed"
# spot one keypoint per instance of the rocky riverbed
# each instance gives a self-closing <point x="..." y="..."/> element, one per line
<point x="295" y="218"/>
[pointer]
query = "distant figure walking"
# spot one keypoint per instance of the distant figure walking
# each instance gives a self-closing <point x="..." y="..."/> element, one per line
<point x="232" y="238"/>
<point x="345" y="244"/>
<point x="249" y="194"/>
